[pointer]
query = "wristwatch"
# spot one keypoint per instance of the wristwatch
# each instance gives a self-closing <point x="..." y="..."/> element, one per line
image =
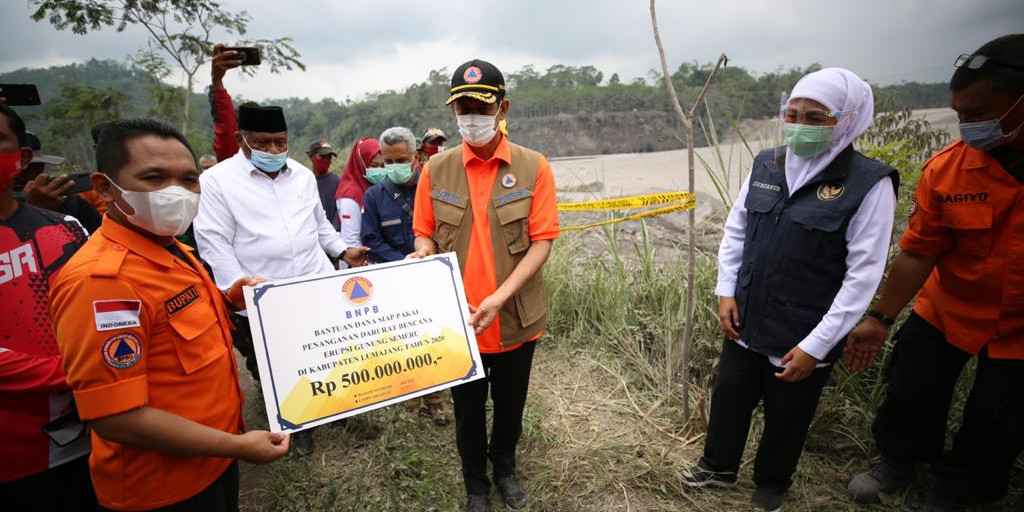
<point x="887" y="320"/>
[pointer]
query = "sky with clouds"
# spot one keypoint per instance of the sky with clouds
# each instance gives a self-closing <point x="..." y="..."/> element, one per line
<point x="353" y="48"/>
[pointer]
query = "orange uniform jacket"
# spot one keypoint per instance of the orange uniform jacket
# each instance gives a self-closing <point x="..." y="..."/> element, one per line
<point x="970" y="212"/>
<point x="137" y="327"/>
<point x="479" y="278"/>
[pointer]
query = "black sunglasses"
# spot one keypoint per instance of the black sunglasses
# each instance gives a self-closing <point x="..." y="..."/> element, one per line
<point x="976" y="61"/>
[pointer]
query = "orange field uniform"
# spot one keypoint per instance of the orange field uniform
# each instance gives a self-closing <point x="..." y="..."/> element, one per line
<point x="138" y="327"/>
<point x="479" y="275"/>
<point x="970" y="212"/>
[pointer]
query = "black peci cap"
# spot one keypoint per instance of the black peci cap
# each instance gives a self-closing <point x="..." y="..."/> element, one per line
<point x="261" y="119"/>
<point x="477" y="79"/>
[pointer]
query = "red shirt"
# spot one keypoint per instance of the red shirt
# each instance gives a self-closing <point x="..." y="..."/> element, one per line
<point x="225" y="124"/>
<point x="34" y="245"/>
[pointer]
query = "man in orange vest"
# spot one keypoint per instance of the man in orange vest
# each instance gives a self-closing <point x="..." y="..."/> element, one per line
<point x="492" y="203"/>
<point x="963" y="256"/>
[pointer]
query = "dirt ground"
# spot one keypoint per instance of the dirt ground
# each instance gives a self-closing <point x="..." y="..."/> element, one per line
<point x="591" y="441"/>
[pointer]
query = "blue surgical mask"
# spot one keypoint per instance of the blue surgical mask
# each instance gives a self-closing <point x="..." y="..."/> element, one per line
<point x="266" y="162"/>
<point x="376" y="175"/>
<point x="399" y="174"/>
<point x="988" y="135"/>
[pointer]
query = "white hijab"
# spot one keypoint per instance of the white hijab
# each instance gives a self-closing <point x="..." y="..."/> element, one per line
<point x="837" y="89"/>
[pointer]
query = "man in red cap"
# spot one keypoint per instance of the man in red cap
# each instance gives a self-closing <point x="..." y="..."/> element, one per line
<point x="321" y="154"/>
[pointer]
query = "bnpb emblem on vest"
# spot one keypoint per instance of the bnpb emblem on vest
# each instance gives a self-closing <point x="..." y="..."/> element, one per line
<point x="508" y="180"/>
<point x="122" y="350"/>
<point x="358" y="290"/>
<point x="830" y="191"/>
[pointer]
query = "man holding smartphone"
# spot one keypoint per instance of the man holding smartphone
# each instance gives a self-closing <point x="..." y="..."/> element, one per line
<point x="44" y="449"/>
<point x="60" y="193"/>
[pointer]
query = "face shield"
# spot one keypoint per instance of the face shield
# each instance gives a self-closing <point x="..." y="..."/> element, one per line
<point x="780" y="129"/>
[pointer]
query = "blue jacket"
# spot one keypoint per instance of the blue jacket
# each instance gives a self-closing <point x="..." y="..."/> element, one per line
<point x="794" y="253"/>
<point x="387" y="220"/>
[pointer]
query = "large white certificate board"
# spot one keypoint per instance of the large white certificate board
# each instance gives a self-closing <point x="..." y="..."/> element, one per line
<point x="330" y="346"/>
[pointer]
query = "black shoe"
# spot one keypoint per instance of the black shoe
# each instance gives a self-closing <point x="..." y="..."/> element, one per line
<point x="478" y="503"/>
<point x="302" y="443"/>
<point x="765" y="499"/>
<point x="883" y="479"/>
<point x="697" y="477"/>
<point x="512" y="492"/>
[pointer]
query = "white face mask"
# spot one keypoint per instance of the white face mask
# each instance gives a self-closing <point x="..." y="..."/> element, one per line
<point x="477" y="129"/>
<point x="165" y="212"/>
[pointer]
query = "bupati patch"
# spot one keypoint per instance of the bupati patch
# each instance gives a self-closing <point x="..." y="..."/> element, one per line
<point x="116" y="314"/>
<point x="181" y="301"/>
<point x="122" y="350"/>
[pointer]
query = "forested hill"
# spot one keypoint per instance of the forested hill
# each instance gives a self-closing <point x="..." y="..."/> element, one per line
<point x="561" y="111"/>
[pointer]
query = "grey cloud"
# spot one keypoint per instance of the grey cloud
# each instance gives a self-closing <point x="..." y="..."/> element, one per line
<point x="883" y="40"/>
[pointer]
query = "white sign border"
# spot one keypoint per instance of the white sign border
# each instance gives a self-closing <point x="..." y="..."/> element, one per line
<point x="273" y="409"/>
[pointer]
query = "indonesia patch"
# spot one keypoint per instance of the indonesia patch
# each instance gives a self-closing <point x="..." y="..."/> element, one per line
<point x="122" y="350"/>
<point x="116" y="314"/>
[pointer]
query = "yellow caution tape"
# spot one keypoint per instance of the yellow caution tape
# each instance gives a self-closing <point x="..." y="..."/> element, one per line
<point x="688" y="204"/>
<point x="627" y="202"/>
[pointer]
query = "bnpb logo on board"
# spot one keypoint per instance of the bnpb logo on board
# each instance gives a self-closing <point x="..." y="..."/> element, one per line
<point x="358" y="290"/>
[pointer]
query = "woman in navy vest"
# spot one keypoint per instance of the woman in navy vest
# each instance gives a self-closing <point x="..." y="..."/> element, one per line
<point x="804" y="249"/>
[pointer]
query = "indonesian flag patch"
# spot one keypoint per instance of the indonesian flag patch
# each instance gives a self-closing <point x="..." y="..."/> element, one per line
<point x="116" y="314"/>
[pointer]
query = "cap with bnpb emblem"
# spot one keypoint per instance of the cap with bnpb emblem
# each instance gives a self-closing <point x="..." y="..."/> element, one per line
<point x="477" y="79"/>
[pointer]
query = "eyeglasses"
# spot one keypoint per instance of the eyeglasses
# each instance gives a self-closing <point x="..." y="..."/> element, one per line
<point x="810" y="115"/>
<point x="264" y="144"/>
<point x="976" y="61"/>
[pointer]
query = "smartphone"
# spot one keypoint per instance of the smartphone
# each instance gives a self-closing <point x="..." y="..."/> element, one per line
<point x="249" y="55"/>
<point x="82" y="183"/>
<point x="65" y="429"/>
<point x="19" y="94"/>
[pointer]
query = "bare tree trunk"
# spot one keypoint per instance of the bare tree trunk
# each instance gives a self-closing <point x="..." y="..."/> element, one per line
<point x="188" y="103"/>
<point x="686" y="119"/>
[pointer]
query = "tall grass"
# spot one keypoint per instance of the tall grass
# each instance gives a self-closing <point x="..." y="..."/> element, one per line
<point x="628" y="300"/>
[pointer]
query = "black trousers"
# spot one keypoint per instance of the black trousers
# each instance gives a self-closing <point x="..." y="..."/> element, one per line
<point x="67" y="487"/>
<point x="508" y="377"/>
<point x="745" y="378"/>
<point x="911" y="423"/>
<point x="241" y="338"/>
<point x="220" y="496"/>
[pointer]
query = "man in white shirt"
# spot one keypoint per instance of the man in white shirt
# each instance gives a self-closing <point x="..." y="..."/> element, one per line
<point x="260" y="215"/>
